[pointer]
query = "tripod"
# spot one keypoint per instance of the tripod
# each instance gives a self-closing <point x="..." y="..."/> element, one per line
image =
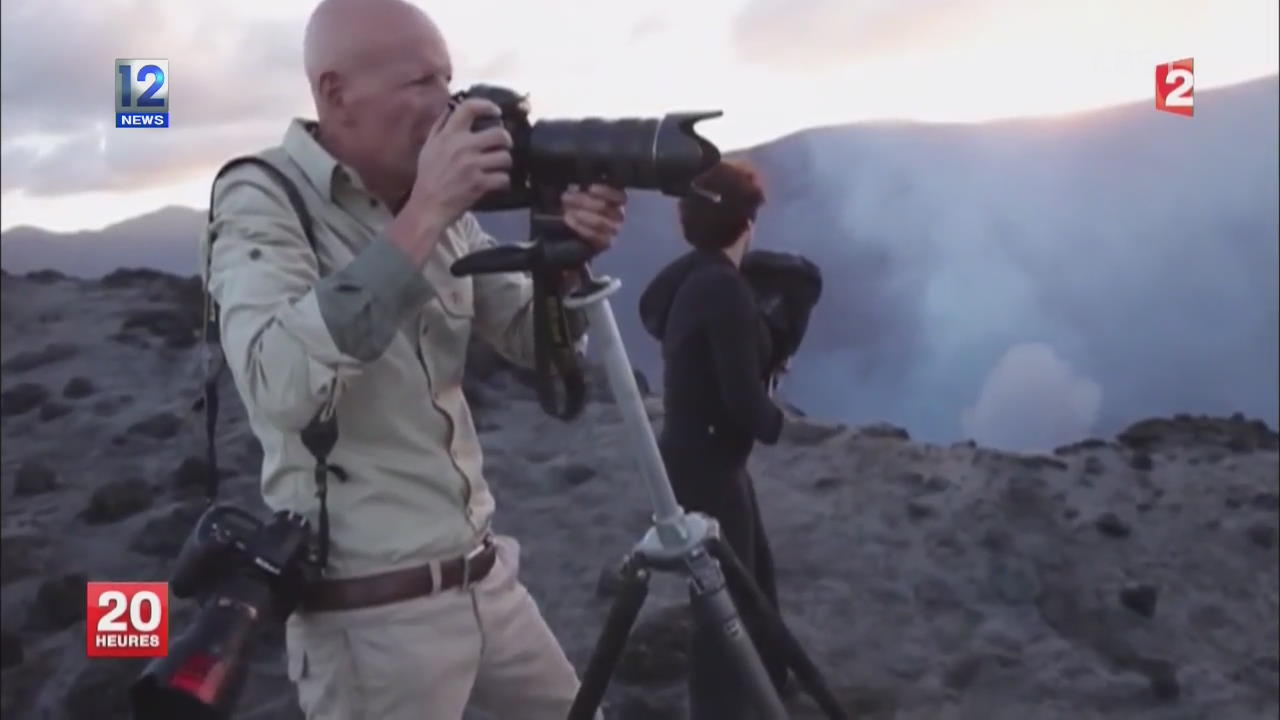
<point x="688" y="544"/>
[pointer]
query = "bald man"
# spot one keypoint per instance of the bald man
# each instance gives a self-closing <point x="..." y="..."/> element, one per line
<point x="421" y="610"/>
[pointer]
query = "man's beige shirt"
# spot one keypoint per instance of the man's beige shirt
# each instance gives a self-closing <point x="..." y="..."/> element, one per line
<point x="363" y="334"/>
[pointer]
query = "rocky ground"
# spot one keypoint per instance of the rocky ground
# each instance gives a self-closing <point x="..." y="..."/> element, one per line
<point x="1127" y="577"/>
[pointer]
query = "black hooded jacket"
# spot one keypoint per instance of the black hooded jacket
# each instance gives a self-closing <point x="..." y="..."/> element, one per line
<point x="713" y="343"/>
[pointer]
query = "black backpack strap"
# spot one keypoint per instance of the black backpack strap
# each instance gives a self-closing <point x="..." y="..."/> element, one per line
<point x="320" y="436"/>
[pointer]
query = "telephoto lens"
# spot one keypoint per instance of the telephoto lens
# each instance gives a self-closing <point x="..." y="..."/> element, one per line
<point x="660" y="153"/>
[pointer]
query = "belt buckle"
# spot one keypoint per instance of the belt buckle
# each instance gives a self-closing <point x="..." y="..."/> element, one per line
<point x="468" y="558"/>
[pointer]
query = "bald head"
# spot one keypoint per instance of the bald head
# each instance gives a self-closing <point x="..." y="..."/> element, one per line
<point x="379" y="72"/>
<point x="347" y="36"/>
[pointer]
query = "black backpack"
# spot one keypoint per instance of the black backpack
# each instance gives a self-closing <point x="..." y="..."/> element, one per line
<point x="787" y="286"/>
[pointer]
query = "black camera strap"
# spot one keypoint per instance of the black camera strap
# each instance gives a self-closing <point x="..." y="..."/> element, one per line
<point x="556" y="360"/>
<point x="321" y="434"/>
<point x="555" y="357"/>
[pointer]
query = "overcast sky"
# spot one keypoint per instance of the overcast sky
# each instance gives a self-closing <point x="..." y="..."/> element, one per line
<point x="773" y="66"/>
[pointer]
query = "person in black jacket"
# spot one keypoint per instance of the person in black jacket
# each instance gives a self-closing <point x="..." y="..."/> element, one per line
<point x="716" y="397"/>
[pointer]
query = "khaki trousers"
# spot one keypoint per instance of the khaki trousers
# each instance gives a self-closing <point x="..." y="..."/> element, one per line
<point x="427" y="658"/>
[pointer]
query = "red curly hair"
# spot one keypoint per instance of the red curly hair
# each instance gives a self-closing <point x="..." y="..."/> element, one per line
<point x="716" y="225"/>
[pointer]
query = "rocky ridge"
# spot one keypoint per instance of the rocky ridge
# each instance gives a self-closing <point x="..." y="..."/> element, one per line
<point x="1126" y="577"/>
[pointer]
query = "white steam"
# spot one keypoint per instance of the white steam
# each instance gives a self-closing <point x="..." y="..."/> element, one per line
<point x="1032" y="400"/>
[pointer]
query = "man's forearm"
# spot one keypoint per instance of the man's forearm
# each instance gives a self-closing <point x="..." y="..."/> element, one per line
<point x="416" y="230"/>
<point x="364" y="303"/>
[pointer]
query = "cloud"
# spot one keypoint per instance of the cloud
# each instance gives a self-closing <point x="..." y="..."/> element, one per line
<point x="500" y="66"/>
<point x="648" y="26"/>
<point x="797" y="34"/>
<point x="234" y="87"/>
<point x="106" y="160"/>
<point x="15" y="165"/>
<point x="1032" y="400"/>
<point x="221" y="72"/>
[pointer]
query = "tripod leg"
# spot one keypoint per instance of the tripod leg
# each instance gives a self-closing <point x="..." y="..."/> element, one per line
<point x="713" y="606"/>
<point x="612" y="641"/>
<point x="807" y="674"/>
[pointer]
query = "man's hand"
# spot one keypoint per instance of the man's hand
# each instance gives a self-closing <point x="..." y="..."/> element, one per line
<point x="595" y="214"/>
<point x="457" y="167"/>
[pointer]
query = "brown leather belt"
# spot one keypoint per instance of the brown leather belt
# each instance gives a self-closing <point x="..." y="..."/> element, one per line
<point x="397" y="585"/>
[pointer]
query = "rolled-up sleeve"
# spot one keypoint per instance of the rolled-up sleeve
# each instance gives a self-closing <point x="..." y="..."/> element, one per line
<point x="504" y="315"/>
<point x="292" y="339"/>
<point x="364" y="303"/>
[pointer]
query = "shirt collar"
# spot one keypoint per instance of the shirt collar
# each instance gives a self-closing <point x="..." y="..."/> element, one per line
<point x="321" y="168"/>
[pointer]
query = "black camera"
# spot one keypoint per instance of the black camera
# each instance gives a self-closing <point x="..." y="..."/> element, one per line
<point x="662" y="154"/>
<point x="549" y="156"/>
<point x="244" y="573"/>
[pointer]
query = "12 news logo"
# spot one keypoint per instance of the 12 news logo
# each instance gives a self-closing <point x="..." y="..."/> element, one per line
<point x="126" y="619"/>
<point x="1174" y="84"/>
<point x="142" y="93"/>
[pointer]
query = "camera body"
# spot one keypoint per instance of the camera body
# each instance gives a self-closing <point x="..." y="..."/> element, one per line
<point x="229" y="542"/>
<point x="244" y="573"/>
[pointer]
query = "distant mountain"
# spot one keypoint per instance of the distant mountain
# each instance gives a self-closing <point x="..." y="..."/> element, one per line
<point x="1021" y="282"/>
<point x="165" y="240"/>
